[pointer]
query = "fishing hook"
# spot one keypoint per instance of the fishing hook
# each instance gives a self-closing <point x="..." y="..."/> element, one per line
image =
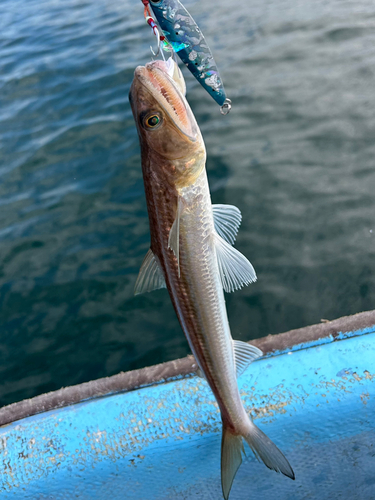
<point x="155" y="54"/>
<point x="160" y="38"/>
<point x="151" y="22"/>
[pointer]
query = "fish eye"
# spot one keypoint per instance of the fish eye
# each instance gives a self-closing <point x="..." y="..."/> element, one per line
<point x="152" y="121"/>
<point x="155" y="1"/>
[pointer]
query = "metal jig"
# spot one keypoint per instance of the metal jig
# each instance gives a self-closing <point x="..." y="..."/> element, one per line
<point x="186" y="38"/>
<point x="178" y="33"/>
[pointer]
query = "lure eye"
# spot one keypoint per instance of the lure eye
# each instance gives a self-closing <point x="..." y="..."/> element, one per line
<point x="155" y="1"/>
<point x="152" y="121"/>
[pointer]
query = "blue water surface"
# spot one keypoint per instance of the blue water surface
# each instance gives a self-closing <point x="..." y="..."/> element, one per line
<point x="296" y="155"/>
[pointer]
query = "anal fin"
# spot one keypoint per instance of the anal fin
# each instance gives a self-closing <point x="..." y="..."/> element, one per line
<point x="244" y="355"/>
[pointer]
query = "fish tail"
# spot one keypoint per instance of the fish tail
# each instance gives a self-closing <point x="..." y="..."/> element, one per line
<point x="266" y="451"/>
<point x="263" y="448"/>
<point x="231" y="458"/>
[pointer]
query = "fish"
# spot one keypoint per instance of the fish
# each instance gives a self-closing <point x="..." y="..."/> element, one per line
<point x="192" y="254"/>
<point x="187" y="40"/>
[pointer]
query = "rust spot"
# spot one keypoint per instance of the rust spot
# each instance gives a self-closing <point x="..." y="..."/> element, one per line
<point x="368" y="375"/>
<point x="365" y="396"/>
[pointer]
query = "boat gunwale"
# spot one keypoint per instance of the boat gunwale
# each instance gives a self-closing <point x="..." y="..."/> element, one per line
<point x="271" y="345"/>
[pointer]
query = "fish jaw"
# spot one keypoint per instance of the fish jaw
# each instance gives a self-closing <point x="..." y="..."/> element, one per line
<point x="175" y="144"/>
<point x="171" y="68"/>
<point x="159" y="79"/>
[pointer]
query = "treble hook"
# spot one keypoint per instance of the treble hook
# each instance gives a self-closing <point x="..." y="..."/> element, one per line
<point x="158" y="48"/>
<point x="155" y="30"/>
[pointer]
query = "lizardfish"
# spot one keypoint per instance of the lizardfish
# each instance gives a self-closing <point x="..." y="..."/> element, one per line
<point x="191" y="254"/>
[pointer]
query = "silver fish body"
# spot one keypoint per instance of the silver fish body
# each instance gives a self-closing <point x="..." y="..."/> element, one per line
<point x="192" y="255"/>
<point x="209" y="338"/>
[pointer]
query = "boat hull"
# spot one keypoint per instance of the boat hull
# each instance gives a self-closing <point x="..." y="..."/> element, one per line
<point x="315" y="400"/>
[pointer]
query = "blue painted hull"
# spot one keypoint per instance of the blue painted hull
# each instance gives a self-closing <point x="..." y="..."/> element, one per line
<point x="163" y="442"/>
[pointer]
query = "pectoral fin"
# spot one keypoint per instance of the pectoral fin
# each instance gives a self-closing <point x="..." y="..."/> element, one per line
<point x="227" y="220"/>
<point x="244" y="355"/>
<point x="150" y="276"/>
<point x="174" y="235"/>
<point x="235" y="270"/>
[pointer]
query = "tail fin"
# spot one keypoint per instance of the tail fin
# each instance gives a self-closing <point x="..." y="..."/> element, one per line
<point x="231" y="458"/>
<point x="263" y="448"/>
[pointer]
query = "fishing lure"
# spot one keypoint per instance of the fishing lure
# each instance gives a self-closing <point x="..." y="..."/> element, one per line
<point x="182" y="35"/>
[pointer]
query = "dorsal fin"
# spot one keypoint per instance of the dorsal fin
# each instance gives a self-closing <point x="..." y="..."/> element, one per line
<point x="174" y="235"/>
<point x="150" y="276"/>
<point x="227" y="220"/>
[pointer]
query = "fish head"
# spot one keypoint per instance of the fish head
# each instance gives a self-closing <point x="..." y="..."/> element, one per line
<point x="166" y="125"/>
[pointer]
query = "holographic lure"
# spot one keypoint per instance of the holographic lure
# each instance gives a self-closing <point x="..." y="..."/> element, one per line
<point x="186" y="39"/>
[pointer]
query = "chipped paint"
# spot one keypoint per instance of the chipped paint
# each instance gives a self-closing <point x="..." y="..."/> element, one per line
<point x="128" y="442"/>
<point x="325" y="340"/>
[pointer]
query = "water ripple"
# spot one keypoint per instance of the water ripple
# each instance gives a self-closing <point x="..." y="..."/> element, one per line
<point x="296" y="154"/>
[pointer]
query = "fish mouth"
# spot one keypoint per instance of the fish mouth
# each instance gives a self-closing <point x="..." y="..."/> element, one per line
<point x="166" y="84"/>
<point x="170" y="67"/>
